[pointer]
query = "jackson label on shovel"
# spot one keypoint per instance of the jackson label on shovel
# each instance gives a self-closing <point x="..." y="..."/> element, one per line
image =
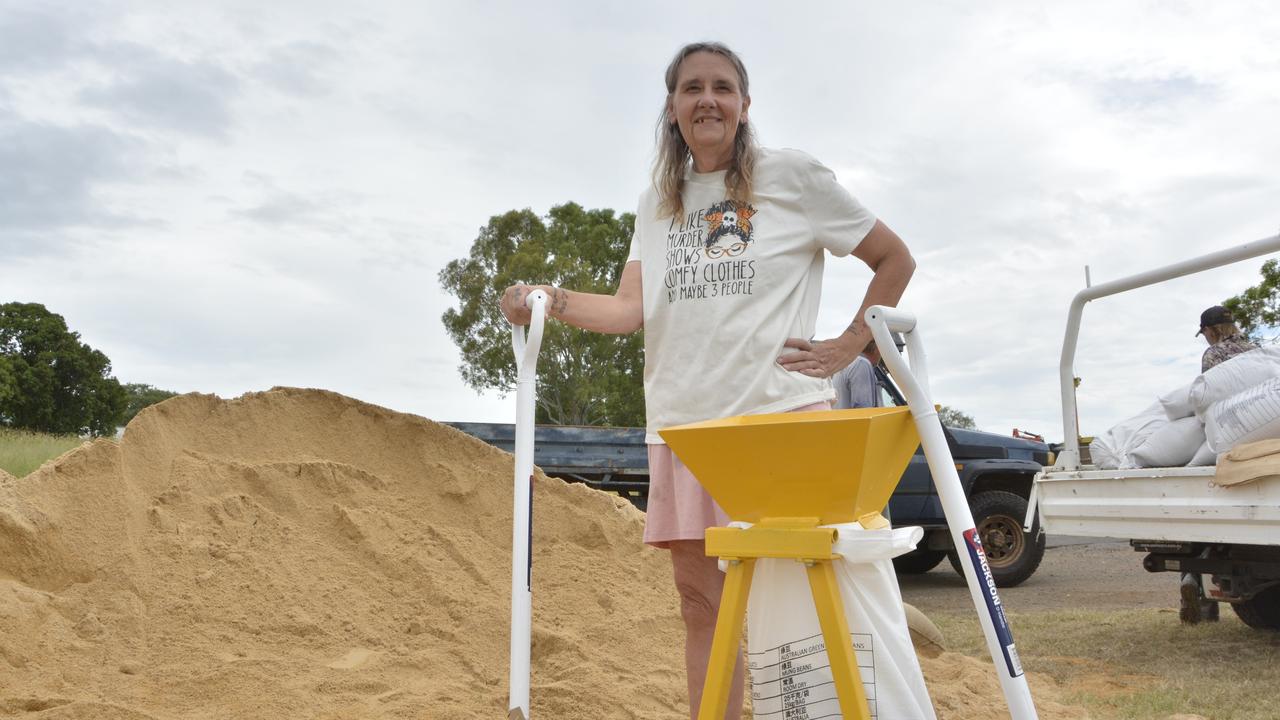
<point x="994" y="608"/>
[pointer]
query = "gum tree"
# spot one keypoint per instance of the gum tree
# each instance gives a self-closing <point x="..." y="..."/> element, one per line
<point x="583" y="378"/>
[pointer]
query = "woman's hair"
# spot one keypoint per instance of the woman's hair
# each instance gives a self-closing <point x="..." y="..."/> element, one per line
<point x="673" y="153"/>
<point x="1224" y="330"/>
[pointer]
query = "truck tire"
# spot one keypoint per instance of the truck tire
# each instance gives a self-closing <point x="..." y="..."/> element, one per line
<point x="1012" y="553"/>
<point x="920" y="560"/>
<point x="1262" y="611"/>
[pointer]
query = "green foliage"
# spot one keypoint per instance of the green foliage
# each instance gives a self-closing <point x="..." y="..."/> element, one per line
<point x="952" y="417"/>
<point x="22" y="451"/>
<point x="7" y="380"/>
<point x="584" y="378"/>
<point x="1258" y="307"/>
<point x="142" y="396"/>
<point x="52" y="382"/>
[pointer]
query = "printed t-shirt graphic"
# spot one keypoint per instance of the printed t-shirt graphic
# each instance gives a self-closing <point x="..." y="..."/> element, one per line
<point x="727" y="219"/>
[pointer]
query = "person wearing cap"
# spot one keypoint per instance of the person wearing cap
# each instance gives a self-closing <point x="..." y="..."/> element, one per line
<point x="1225" y="339"/>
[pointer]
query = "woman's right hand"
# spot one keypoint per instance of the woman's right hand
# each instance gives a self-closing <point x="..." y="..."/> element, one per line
<point x="513" y="303"/>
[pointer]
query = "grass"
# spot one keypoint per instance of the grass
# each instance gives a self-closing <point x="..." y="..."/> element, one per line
<point x="1142" y="664"/>
<point x="22" y="451"/>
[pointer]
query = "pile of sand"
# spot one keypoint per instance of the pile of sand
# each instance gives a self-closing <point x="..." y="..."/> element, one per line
<point x="299" y="554"/>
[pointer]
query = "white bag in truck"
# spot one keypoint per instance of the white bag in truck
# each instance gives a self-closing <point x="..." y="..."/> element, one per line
<point x="786" y="656"/>
<point x="1111" y="449"/>
<point x="1234" y="375"/>
<point x="1173" y="445"/>
<point x="1204" y="457"/>
<point x="1177" y="403"/>
<point x="1244" y="417"/>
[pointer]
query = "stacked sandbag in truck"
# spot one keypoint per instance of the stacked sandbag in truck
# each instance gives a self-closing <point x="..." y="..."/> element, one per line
<point x="1239" y="400"/>
<point x="1149" y="439"/>
<point x="1234" y="402"/>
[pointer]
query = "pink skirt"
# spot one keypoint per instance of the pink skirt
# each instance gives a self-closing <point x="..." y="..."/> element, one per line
<point x="678" y="507"/>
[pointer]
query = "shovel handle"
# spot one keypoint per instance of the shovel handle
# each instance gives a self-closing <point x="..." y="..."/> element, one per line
<point x="526" y="349"/>
<point x="913" y="379"/>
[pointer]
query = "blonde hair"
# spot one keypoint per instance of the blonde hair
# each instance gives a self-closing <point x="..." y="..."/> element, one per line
<point x="1222" y="331"/>
<point x="673" y="152"/>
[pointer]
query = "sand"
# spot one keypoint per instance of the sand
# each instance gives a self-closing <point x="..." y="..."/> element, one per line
<point x="300" y="554"/>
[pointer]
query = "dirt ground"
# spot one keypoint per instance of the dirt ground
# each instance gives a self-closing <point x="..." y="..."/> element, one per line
<point x="1078" y="573"/>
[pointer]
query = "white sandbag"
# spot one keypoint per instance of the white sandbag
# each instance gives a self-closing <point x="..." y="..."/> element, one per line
<point x="1172" y="445"/>
<point x="786" y="656"/>
<point x="1244" y="417"/>
<point x="1204" y="457"/>
<point x="1177" y="403"/>
<point x="1111" y="449"/>
<point x="1233" y="376"/>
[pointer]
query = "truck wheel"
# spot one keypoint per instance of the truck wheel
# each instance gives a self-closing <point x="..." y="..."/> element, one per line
<point x="1012" y="553"/>
<point x="920" y="560"/>
<point x="1262" y="611"/>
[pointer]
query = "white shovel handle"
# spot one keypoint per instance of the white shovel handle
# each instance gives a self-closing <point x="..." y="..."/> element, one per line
<point x="914" y="381"/>
<point x="526" y="352"/>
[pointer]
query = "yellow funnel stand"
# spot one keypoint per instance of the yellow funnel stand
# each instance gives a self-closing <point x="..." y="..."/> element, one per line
<point x="787" y="474"/>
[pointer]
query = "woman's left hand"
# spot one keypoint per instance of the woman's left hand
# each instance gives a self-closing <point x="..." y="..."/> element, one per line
<point x="821" y="358"/>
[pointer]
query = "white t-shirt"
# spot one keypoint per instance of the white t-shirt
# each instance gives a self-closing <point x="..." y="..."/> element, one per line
<point x="724" y="287"/>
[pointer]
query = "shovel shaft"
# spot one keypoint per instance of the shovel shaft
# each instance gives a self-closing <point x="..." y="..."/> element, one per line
<point x="526" y="353"/>
<point x="913" y="380"/>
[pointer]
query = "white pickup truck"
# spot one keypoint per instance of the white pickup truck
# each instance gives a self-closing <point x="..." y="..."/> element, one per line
<point x="1178" y="516"/>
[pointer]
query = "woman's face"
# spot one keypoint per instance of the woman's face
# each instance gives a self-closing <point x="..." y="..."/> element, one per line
<point x="708" y="105"/>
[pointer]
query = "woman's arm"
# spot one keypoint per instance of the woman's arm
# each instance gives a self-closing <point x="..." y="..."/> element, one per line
<point x="888" y="257"/>
<point x="619" y="313"/>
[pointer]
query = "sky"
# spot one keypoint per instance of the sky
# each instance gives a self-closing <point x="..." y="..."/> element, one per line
<point x="231" y="196"/>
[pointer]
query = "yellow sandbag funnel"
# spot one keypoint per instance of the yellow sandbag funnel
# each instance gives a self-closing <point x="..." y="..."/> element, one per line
<point x="834" y="465"/>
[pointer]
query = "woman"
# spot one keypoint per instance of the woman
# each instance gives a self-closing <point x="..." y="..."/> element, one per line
<point x="724" y="275"/>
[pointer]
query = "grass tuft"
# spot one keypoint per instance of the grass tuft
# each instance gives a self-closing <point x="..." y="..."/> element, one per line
<point x="22" y="451"/>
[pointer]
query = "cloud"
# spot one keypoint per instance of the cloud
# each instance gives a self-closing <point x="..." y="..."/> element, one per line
<point x="31" y="40"/>
<point x="1156" y="95"/>
<point x="300" y="69"/>
<point x="162" y="92"/>
<point x="48" y="176"/>
<point x="282" y="208"/>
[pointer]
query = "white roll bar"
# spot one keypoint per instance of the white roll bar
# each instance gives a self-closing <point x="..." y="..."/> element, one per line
<point x="1069" y="458"/>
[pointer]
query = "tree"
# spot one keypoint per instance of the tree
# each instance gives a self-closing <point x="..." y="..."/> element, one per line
<point x="55" y="383"/>
<point x="952" y="417"/>
<point x="142" y="396"/>
<point x="584" y="378"/>
<point x="1258" y="307"/>
<point x="7" y="381"/>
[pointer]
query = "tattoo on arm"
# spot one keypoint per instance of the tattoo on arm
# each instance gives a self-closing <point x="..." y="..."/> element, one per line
<point x="559" y="301"/>
<point x="857" y="327"/>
